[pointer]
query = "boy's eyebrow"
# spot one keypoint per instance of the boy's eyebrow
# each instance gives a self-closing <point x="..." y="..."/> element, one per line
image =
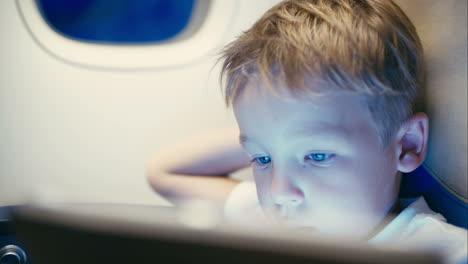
<point x="243" y="138"/>
<point x="324" y="130"/>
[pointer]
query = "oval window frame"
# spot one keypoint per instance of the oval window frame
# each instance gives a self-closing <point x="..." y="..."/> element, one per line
<point x="184" y="49"/>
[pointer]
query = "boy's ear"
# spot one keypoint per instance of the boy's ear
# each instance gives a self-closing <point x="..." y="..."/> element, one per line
<point x="412" y="143"/>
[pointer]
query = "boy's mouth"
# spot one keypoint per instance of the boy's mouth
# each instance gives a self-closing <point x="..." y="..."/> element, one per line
<point x="293" y="223"/>
<point x="299" y="228"/>
<point x="286" y="218"/>
<point x="296" y="225"/>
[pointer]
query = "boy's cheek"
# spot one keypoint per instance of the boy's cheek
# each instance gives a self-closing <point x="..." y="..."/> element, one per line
<point x="262" y="185"/>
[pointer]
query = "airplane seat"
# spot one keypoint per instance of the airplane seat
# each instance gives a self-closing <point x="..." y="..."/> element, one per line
<point x="442" y="179"/>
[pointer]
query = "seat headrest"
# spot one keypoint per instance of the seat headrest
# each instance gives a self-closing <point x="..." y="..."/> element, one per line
<point x="442" y="27"/>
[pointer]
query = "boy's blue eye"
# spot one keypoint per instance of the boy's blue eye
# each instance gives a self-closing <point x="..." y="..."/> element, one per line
<point x="263" y="160"/>
<point x="319" y="157"/>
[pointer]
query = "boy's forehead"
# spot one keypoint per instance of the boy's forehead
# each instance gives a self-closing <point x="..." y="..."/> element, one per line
<point x="257" y="94"/>
<point x="316" y="92"/>
<point x="259" y="109"/>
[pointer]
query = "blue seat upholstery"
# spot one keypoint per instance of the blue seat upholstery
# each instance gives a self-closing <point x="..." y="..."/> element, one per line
<point x="421" y="183"/>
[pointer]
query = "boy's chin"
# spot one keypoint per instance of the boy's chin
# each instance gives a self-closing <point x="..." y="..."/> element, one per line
<point x="326" y="233"/>
<point x="341" y="226"/>
<point x="360" y="233"/>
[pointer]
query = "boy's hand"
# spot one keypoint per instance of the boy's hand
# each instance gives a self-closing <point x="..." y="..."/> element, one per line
<point x="198" y="168"/>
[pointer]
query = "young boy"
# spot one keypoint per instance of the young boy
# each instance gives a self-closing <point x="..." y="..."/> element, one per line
<point x="322" y="91"/>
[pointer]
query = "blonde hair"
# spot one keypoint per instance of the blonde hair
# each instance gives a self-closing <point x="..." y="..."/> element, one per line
<point x="368" y="47"/>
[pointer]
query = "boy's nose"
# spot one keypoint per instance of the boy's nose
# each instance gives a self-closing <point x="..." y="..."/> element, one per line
<point x="284" y="193"/>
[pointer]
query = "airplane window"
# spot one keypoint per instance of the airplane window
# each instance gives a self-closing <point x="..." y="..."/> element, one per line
<point x="118" y="21"/>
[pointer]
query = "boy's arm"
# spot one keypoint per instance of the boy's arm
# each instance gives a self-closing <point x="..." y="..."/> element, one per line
<point x="198" y="168"/>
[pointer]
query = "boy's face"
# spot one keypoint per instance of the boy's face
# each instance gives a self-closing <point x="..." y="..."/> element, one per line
<point x="318" y="163"/>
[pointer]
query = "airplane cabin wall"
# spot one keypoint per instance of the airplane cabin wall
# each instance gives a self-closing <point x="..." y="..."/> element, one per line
<point x="80" y="134"/>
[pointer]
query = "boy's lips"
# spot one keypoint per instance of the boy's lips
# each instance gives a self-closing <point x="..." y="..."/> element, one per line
<point x="304" y="228"/>
<point x="286" y="219"/>
<point x="299" y="228"/>
<point x="296" y="225"/>
<point x="291" y="223"/>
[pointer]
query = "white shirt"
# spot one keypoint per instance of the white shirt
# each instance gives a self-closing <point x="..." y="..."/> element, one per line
<point x="417" y="226"/>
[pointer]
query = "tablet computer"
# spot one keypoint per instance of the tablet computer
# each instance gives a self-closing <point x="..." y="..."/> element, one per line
<point x="106" y="233"/>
